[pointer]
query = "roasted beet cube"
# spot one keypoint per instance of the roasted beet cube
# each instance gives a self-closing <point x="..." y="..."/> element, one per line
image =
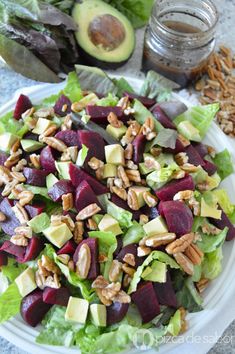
<point x="209" y="167"/>
<point x="11" y="222"/>
<point x="99" y="114"/>
<point x="68" y="248"/>
<point x="22" y="105"/>
<point x="146" y="301"/>
<point x="179" y="147"/>
<point x="225" y="222"/>
<point x="193" y="156"/>
<point x="35" y="177"/>
<point x="33" y="309"/>
<point x="63" y="186"/>
<point x="69" y="137"/>
<point x="165" y="292"/>
<point x="56" y="296"/>
<point x="201" y="149"/>
<point x="92" y="243"/>
<point x="116" y="312"/>
<point x="95" y="144"/>
<point x="131" y="249"/>
<point x="165" y="121"/>
<point x="123" y="204"/>
<point x="62" y="106"/>
<point x="168" y="191"/>
<point x="78" y="175"/>
<point x="47" y="159"/>
<point x="146" y="101"/>
<point x="35" y="209"/>
<point x="3" y="258"/>
<point x="139" y="146"/>
<point x="9" y="247"/>
<point x="84" y="196"/>
<point x="179" y="217"/>
<point x="33" y="249"/>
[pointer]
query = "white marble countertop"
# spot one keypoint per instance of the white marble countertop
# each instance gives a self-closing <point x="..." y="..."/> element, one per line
<point x="10" y="81"/>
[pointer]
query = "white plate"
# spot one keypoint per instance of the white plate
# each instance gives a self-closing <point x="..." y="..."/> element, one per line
<point x="205" y="326"/>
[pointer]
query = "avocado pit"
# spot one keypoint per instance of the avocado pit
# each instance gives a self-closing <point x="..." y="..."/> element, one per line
<point x="106" y="31"/>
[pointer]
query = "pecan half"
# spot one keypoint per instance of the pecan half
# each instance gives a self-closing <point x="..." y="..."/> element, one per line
<point x="114" y="121"/>
<point x="95" y="163"/>
<point x="78" y="231"/>
<point x="128" y="270"/>
<point x="25" y="197"/>
<point x="132" y="200"/>
<point x="20" y="213"/>
<point x="133" y="175"/>
<point x="181" y="158"/>
<point x="84" y="261"/>
<point x="123" y="176"/>
<point x="55" y="143"/>
<point x="120" y="192"/>
<point x="158" y="239"/>
<point x="67" y="201"/>
<point x="19" y="240"/>
<point x="194" y="254"/>
<point x="143" y="251"/>
<point x="202" y="284"/>
<point x="128" y="152"/>
<point x="183" y="195"/>
<point x="180" y="244"/>
<point x="88" y="211"/>
<point x="129" y="258"/>
<point x="150" y="199"/>
<point x="115" y="270"/>
<point x="184" y="262"/>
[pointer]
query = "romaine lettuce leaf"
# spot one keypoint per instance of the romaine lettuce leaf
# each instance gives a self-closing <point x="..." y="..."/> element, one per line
<point x="165" y="138"/>
<point x="157" y="179"/>
<point x="73" y="89"/>
<point x="225" y="203"/>
<point x="124" y="217"/>
<point x="223" y="161"/>
<point x="11" y="125"/>
<point x="157" y="86"/>
<point x="188" y="296"/>
<point x="212" y="264"/>
<point x="10" y="302"/>
<point x="82" y="154"/>
<point x="13" y="269"/>
<point x="142" y="113"/>
<point x="174" y="325"/>
<point x="210" y="243"/>
<point x="122" y="86"/>
<point x="109" y="100"/>
<point x="134" y="234"/>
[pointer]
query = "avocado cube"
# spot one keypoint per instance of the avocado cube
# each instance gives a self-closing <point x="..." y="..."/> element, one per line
<point x="98" y="315"/>
<point x="26" y="282"/>
<point x="7" y="140"/>
<point x="117" y="133"/>
<point x="114" y="154"/>
<point x="39" y="223"/>
<point x="31" y="145"/>
<point x="58" y="235"/>
<point x="144" y="170"/>
<point x="156" y="272"/>
<point x="42" y="125"/>
<point x="109" y="224"/>
<point x="139" y="191"/>
<point x="210" y="211"/>
<point x="91" y="98"/>
<point x="77" y="310"/>
<point x="51" y="180"/>
<point x="189" y="131"/>
<point x="155" y="226"/>
<point x="110" y="170"/>
<point x="63" y="169"/>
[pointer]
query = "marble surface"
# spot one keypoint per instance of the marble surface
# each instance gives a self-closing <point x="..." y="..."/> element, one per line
<point x="10" y="81"/>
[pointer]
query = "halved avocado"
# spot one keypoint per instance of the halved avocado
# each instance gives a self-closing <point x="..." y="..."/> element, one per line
<point x="105" y="36"/>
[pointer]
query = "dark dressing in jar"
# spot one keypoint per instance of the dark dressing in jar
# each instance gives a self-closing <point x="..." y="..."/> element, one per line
<point x="180" y="39"/>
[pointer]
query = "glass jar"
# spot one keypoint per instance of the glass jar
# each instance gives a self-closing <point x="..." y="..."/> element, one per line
<point x="180" y="38"/>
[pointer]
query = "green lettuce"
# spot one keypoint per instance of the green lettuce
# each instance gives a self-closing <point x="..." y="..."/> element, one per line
<point x="11" y="125"/>
<point x="13" y="269"/>
<point x="174" y="325"/>
<point x="210" y="243"/>
<point x="122" y="86"/>
<point x="73" y="89"/>
<point x="224" y="163"/>
<point x="188" y="296"/>
<point x="109" y="100"/>
<point x="134" y="234"/>
<point x="212" y="264"/>
<point x="225" y="203"/>
<point x="82" y="155"/>
<point x="124" y="217"/>
<point x="157" y="179"/>
<point x="39" y="223"/>
<point x="165" y="138"/>
<point x="154" y="255"/>
<point x="142" y="113"/>
<point x="157" y="86"/>
<point x="200" y="117"/>
<point x="10" y="302"/>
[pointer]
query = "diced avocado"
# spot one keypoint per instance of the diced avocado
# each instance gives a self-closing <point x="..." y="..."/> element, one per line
<point x="77" y="310"/>
<point x="139" y="191"/>
<point x="156" y="273"/>
<point x="155" y="226"/>
<point x="105" y="35"/>
<point x="213" y="181"/>
<point x="109" y="224"/>
<point x="110" y="170"/>
<point x="144" y="170"/>
<point x="189" y="131"/>
<point x="98" y="314"/>
<point x="114" y="154"/>
<point x="63" y="169"/>
<point x="210" y="211"/>
<point x="31" y="145"/>
<point x="97" y="218"/>
<point x="58" y="235"/>
<point x="26" y="282"/>
<point x="39" y="223"/>
<point x="91" y="98"/>
<point x="7" y="140"/>
<point x="42" y="125"/>
<point x="51" y="180"/>
<point x="117" y="133"/>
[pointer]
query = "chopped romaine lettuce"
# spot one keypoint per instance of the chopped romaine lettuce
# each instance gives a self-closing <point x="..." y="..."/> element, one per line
<point x="124" y="217"/>
<point x="134" y="234"/>
<point x="106" y="240"/>
<point x="10" y="302"/>
<point x="225" y="203"/>
<point x="13" y="126"/>
<point x="165" y="138"/>
<point x="157" y="179"/>
<point x="142" y="113"/>
<point x="122" y="86"/>
<point x="212" y="264"/>
<point x="13" y="269"/>
<point x="157" y="86"/>
<point x="223" y="161"/>
<point x="210" y="243"/>
<point x="73" y="89"/>
<point x="109" y="100"/>
<point x="174" y="325"/>
<point x="188" y="296"/>
<point x="82" y="154"/>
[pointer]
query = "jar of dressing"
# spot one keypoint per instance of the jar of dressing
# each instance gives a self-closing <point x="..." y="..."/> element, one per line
<point x="180" y="38"/>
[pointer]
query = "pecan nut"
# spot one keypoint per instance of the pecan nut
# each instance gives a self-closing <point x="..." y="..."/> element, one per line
<point x="88" y="211"/>
<point x="180" y="244"/>
<point x="115" y="270"/>
<point x="84" y="261"/>
<point x="184" y="262"/>
<point x="194" y="253"/>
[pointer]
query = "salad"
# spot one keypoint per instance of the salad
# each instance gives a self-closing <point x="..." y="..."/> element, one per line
<point x="112" y="219"/>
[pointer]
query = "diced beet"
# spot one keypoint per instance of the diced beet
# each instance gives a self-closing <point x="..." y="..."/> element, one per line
<point x="179" y="147"/>
<point x="201" y="149"/>
<point x="68" y="248"/>
<point x="95" y="144"/>
<point x="92" y="243"/>
<point x="146" y="101"/>
<point x="224" y="222"/>
<point x="116" y="312"/>
<point x="15" y="250"/>
<point x="3" y="258"/>
<point x="119" y="246"/>
<point x="160" y="209"/>
<point x="33" y="249"/>
<point x="99" y="114"/>
<point x="3" y="158"/>
<point x="84" y="196"/>
<point x="47" y="159"/>
<point x="35" y="209"/>
<point x="168" y="191"/>
<point x="179" y="217"/>
<point x="78" y="175"/>
<point x="209" y="167"/>
<point x="122" y="204"/>
<point x="70" y="213"/>
<point x="22" y="105"/>
<point x="162" y="117"/>
<point x="62" y="102"/>
<point x="56" y="296"/>
<point x="35" y="177"/>
<point x="11" y="222"/>
<point x="132" y="249"/>
<point x="139" y="146"/>
<point x="63" y="186"/>
<point x="69" y="137"/>
<point x="165" y="292"/>
<point x="146" y="301"/>
<point x="193" y="156"/>
<point x="33" y="309"/>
